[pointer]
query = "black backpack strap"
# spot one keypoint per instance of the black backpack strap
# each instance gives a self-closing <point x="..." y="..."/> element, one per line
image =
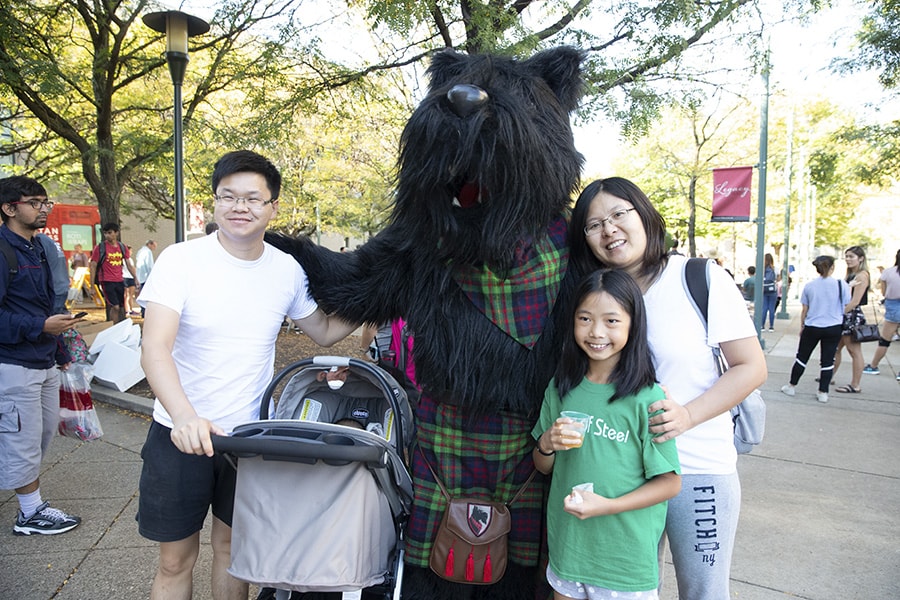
<point x="9" y="253"/>
<point x="102" y="256"/>
<point x="696" y="279"/>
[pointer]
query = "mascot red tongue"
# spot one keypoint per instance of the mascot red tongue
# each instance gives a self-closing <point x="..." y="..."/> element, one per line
<point x="474" y="258"/>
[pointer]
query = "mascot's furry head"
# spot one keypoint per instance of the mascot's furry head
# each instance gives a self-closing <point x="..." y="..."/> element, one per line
<point x="488" y="157"/>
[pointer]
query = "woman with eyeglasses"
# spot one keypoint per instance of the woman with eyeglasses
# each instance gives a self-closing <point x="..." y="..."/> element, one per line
<point x="614" y="225"/>
<point x="858" y="278"/>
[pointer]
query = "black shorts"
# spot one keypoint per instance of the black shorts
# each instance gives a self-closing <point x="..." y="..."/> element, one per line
<point x="177" y="489"/>
<point x="113" y="292"/>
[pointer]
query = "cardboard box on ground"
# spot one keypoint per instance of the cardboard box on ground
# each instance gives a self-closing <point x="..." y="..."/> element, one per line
<point x="89" y="330"/>
<point x="115" y="351"/>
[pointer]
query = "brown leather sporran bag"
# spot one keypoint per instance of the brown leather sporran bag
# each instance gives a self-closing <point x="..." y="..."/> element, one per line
<point x="470" y="544"/>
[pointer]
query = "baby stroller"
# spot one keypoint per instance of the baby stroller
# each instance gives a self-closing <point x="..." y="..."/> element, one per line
<point x="320" y="506"/>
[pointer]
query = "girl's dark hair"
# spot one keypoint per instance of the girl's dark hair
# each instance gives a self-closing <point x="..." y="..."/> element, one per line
<point x="823" y="264"/>
<point x="897" y="260"/>
<point x="654" y="226"/>
<point x="634" y="370"/>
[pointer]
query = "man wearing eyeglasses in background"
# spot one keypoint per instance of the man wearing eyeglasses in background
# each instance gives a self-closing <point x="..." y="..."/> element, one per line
<point x="213" y="308"/>
<point x="29" y="354"/>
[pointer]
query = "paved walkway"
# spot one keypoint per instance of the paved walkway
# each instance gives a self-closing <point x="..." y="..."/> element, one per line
<point x="819" y="518"/>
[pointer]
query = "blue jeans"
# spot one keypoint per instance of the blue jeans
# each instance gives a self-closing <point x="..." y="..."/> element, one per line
<point x="769" y="302"/>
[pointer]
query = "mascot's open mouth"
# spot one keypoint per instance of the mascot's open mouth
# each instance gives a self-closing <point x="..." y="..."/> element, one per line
<point x="470" y="194"/>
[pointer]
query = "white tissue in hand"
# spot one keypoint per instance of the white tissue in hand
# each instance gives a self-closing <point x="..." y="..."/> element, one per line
<point x="576" y="498"/>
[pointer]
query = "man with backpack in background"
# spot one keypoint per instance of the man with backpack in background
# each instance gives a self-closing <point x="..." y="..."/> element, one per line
<point x="29" y="355"/>
<point x="107" y="260"/>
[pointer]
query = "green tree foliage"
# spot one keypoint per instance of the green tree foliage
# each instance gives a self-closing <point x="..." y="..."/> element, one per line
<point x="878" y="50"/>
<point x="674" y="163"/>
<point x="879" y="43"/>
<point x="89" y="98"/>
<point x="630" y="45"/>
<point x="675" y="160"/>
<point x="86" y="83"/>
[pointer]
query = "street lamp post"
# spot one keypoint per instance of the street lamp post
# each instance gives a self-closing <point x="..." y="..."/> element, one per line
<point x="786" y="273"/>
<point x="761" y="205"/>
<point x="178" y="27"/>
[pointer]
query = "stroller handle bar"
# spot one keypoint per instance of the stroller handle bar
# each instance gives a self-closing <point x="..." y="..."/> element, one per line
<point x="331" y="361"/>
<point x="288" y="449"/>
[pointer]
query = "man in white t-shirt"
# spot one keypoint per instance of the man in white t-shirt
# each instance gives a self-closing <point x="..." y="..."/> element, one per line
<point x="214" y="306"/>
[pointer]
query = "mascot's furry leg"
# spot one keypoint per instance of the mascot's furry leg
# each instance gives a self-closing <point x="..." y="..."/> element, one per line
<point x="518" y="583"/>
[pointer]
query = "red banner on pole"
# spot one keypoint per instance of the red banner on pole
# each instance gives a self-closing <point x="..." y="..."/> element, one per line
<point x="731" y="194"/>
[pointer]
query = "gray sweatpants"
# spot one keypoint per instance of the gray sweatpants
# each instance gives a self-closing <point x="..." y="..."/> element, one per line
<point x="700" y="525"/>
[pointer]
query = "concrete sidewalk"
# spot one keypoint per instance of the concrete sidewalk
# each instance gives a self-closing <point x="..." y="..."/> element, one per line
<point x="819" y="514"/>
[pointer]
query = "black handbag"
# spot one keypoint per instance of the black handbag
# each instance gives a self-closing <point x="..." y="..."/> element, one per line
<point x="866" y="333"/>
<point x="855" y="324"/>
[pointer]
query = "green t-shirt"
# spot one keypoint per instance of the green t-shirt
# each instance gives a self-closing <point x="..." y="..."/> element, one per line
<point x="618" y="552"/>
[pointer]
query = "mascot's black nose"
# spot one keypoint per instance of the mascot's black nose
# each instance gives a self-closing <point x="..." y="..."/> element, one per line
<point x="465" y="98"/>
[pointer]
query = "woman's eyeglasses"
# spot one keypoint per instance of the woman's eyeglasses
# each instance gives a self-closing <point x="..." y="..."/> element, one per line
<point x="614" y="219"/>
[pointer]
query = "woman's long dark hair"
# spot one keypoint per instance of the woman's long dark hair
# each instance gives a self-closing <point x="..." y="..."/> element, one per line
<point x="634" y="370"/>
<point x="654" y="226"/>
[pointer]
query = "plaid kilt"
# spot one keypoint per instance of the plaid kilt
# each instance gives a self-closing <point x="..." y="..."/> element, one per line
<point x="489" y="459"/>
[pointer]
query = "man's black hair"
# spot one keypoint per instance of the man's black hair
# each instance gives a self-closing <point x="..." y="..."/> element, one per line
<point x="246" y="161"/>
<point x="12" y="189"/>
<point x="110" y="227"/>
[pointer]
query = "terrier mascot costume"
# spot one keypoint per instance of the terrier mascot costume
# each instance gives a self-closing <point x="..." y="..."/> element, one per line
<point x="475" y="259"/>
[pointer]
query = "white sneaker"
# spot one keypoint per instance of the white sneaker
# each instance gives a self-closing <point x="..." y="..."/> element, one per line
<point x="788" y="390"/>
<point x="822" y="397"/>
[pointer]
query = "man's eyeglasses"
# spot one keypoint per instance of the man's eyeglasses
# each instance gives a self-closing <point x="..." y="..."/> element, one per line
<point x="228" y="200"/>
<point x="613" y="219"/>
<point x="36" y="204"/>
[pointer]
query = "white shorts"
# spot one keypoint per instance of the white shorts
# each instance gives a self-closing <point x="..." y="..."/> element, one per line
<point x="584" y="591"/>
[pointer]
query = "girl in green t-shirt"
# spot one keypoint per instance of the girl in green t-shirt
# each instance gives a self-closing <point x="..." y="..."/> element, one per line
<point x="607" y="504"/>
